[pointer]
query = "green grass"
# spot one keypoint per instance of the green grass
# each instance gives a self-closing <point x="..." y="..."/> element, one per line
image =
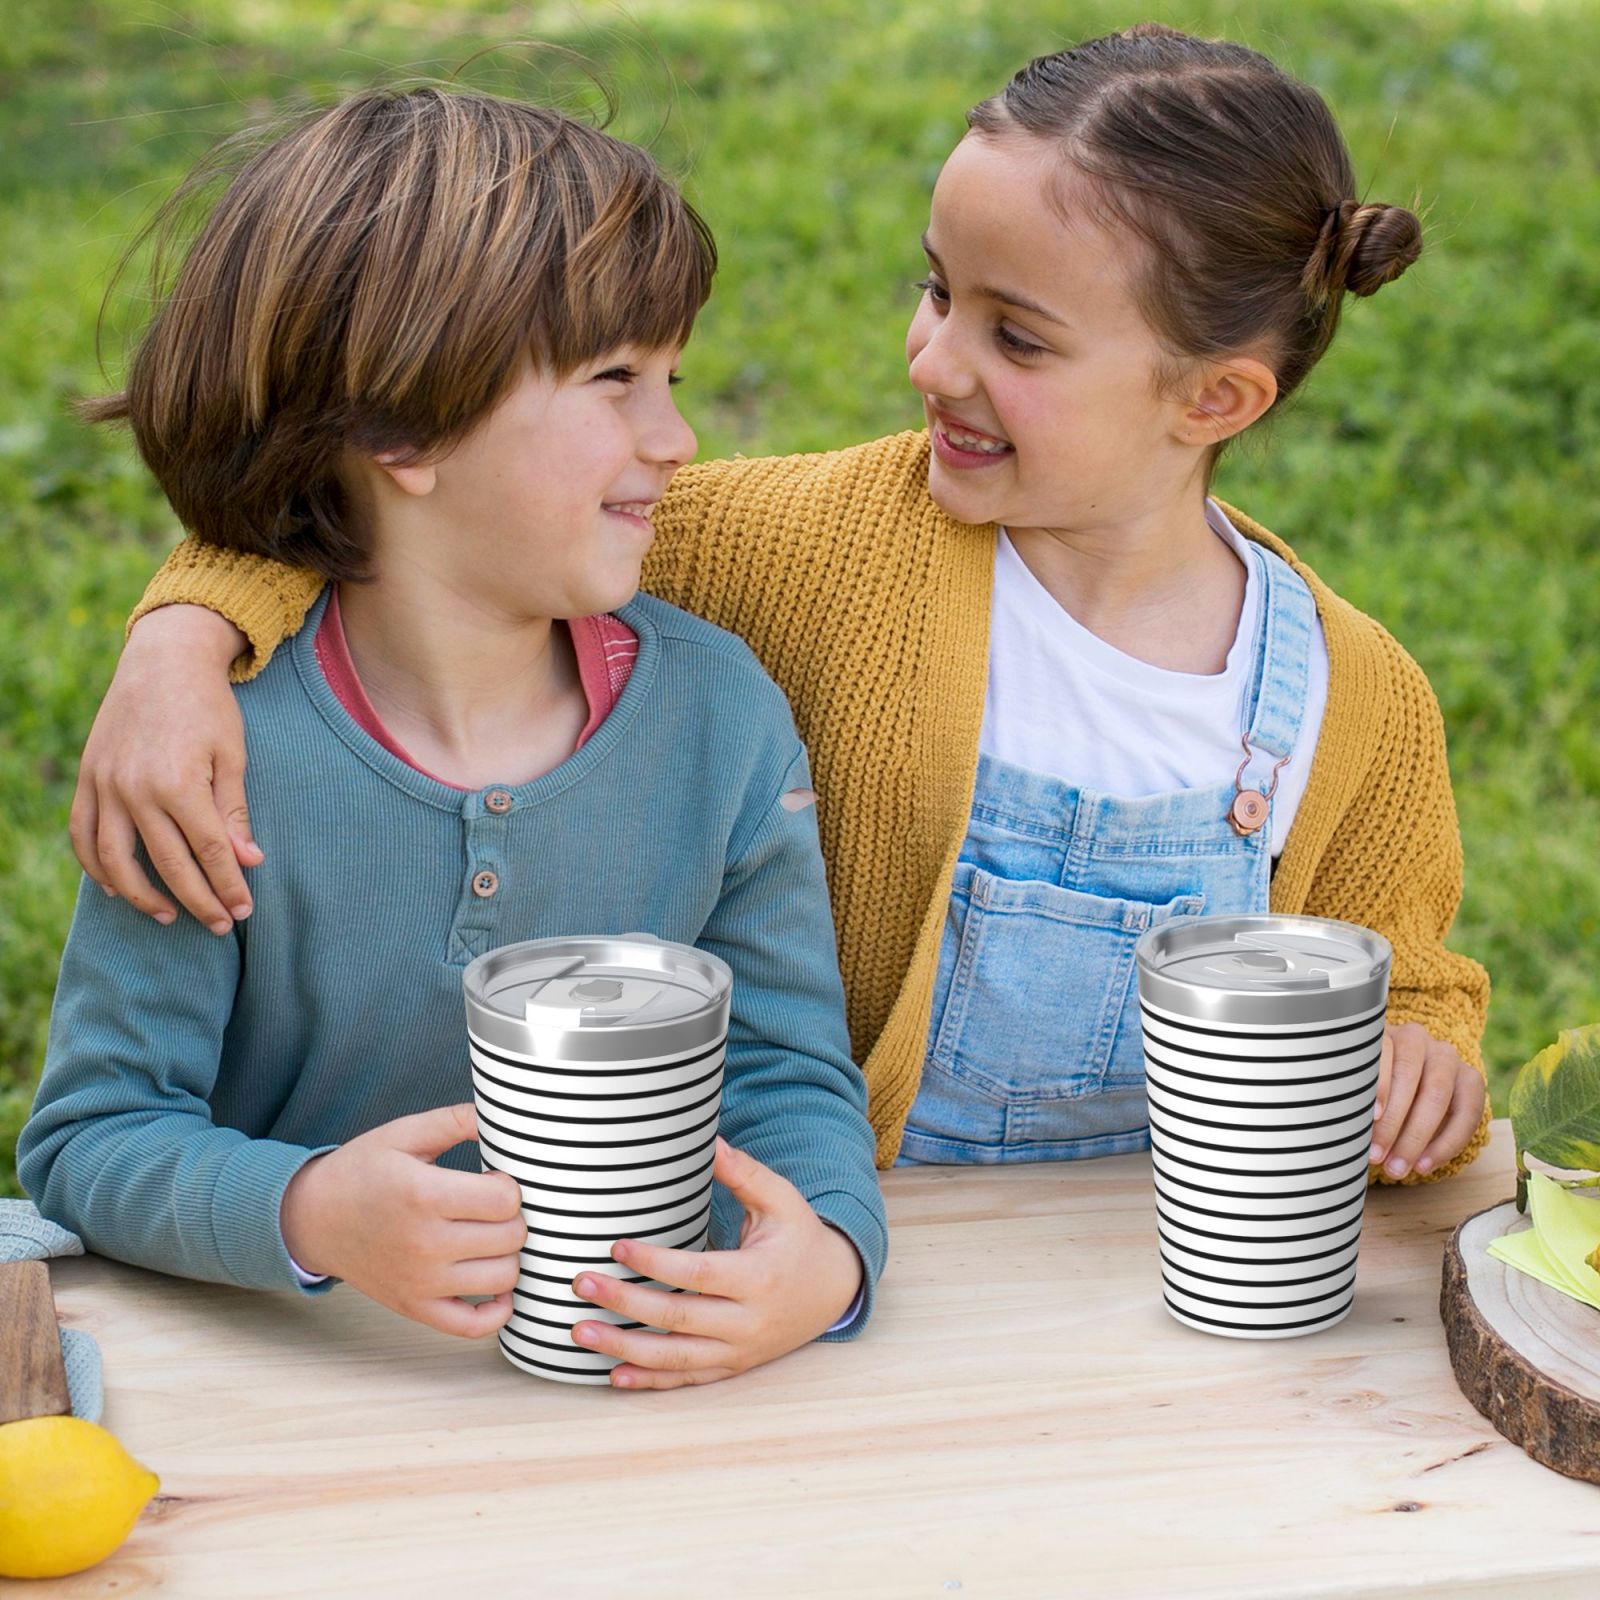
<point x="1437" y="469"/>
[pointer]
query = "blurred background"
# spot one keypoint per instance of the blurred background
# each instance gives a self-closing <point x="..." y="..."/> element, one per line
<point x="1438" y="469"/>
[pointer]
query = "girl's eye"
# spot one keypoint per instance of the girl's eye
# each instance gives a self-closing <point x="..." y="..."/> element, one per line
<point x="1017" y="347"/>
<point x="934" y="290"/>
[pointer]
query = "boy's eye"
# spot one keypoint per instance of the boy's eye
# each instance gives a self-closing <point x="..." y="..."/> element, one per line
<point x="630" y="375"/>
<point x="1018" y="347"/>
<point x="934" y="290"/>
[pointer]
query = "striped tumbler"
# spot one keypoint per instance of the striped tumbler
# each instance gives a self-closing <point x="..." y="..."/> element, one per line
<point x="1262" y="1036"/>
<point x="597" y="1072"/>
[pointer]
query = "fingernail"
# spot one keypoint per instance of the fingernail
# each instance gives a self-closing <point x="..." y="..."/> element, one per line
<point x="1376" y="1152"/>
<point x="165" y="918"/>
<point x="240" y="912"/>
<point x="621" y="1250"/>
<point x="586" y="1336"/>
<point x="1396" y="1168"/>
<point x="1377" y="1110"/>
<point x="1425" y="1164"/>
<point x="624" y="1380"/>
<point x="110" y="893"/>
<point x="221" y="925"/>
<point x="585" y="1286"/>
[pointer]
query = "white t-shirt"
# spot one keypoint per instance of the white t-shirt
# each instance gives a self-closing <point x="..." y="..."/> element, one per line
<point x="1064" y="702"/>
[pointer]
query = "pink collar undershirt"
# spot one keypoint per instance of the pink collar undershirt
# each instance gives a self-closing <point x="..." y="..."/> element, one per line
<point x="606" y="648"/>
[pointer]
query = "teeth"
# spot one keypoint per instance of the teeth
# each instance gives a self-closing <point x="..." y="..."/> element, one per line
<point x="634" y="508"/>
<point x="963" y="440"/>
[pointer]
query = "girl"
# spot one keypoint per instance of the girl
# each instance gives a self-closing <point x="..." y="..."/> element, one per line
<point x="423" y="345"/>
<point x="1054" y="692"/>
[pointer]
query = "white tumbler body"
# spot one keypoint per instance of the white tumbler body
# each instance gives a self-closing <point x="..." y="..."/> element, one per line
<point x="1262" y="1036"/>
<point x="597" y="1071"/>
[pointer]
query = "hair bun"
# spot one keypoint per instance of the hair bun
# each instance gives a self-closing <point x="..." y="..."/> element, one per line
<point x="1384" y="241"/>
<point x="1361" y="248"/>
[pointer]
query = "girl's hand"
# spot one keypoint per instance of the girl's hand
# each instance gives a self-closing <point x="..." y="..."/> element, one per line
<point x="413" y="1236"/>
<point x="165" y="760"/>
<point x="1429" y="1101"/>
<point x="790" y="1279"/>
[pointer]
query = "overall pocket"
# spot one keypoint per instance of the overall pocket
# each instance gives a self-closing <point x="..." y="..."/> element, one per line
<point x="1040" y="1009"/>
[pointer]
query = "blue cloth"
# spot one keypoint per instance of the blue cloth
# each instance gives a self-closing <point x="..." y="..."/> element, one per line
<point x="27" y="1236"/>
<point x="189" y="1077"/>
<point x="1034" y="1047"/>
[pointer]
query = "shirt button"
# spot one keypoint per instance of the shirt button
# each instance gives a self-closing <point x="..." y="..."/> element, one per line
<point x="497" y="801"/>
<point x="485" y="884"/>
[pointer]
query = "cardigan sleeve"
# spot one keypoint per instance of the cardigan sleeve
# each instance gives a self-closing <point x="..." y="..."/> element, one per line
<point x="267" y="601"/>
<point x="1394" y="863"/>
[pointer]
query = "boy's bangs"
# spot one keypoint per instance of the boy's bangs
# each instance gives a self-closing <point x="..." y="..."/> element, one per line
<point x="638" y="278"/>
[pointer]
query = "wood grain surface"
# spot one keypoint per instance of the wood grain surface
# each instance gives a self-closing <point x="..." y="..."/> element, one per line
<point x="1527" y="1356"/>
<point x="1022" y="1419"/>
<point x="33" y="1376"/>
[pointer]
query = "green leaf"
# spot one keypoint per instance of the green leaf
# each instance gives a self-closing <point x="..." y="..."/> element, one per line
<point x="1555" y="1102"/>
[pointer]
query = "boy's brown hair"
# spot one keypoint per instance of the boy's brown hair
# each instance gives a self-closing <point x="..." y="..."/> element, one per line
<point x="376" y="279"/>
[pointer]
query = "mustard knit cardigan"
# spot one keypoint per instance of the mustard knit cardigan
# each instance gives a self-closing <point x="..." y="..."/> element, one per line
<point x="870" y="607"/>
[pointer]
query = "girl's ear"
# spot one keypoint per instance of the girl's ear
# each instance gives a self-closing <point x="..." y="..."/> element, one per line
<point x="409" y="477"/>
<point x="1235" y="393"/>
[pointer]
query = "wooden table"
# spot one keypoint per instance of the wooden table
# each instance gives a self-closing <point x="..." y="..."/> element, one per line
<point x="1022" y="1419"/>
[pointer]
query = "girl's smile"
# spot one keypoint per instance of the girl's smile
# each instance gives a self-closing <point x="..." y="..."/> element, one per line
<point x="962" y="446"/>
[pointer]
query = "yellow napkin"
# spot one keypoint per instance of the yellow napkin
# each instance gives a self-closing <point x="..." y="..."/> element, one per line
<point x="1556" y="1249"/>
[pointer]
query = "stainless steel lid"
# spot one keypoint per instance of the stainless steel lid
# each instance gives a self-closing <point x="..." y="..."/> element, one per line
<point x="1264" y="969"/>
<point x="623" y="998"/>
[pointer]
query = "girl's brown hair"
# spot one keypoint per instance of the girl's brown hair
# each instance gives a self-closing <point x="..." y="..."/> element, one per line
<point x="375" y="279"/>
<point x="1235" y="175"/>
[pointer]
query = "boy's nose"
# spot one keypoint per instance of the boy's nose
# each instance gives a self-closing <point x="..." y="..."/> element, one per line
<point x="669" y="440"/>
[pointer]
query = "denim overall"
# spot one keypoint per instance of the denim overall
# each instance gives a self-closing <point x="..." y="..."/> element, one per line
<point x="1034" y="1049"/>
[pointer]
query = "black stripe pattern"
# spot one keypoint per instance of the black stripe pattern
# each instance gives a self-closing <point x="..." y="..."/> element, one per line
<point x="1259" y="1144"/>
<point x="600" y="1154"/>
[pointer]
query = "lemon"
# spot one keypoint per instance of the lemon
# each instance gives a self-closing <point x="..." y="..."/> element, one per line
<point x="69" y="1495"/>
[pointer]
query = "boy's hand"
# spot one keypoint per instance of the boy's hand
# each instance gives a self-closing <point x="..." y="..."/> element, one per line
<point x="412" y="1236"/>
<point x="1429" y="1101"/>
<point x="790" y="1279"/>
<point x="165" y="762"/>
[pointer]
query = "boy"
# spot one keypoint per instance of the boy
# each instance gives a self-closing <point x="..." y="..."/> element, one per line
<point x="424" y="344"/>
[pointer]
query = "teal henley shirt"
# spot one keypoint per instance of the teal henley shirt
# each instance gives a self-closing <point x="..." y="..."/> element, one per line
<point x="188" y="1077"/>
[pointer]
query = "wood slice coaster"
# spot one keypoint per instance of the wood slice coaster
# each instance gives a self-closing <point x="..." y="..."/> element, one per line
<point x="1525" y="1355"/>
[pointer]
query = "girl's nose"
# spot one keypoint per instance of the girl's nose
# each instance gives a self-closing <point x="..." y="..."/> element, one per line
<point x="937" y="365"/>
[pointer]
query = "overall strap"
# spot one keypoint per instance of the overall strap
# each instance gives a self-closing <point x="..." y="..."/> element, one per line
<point x="1283" y="649"/>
